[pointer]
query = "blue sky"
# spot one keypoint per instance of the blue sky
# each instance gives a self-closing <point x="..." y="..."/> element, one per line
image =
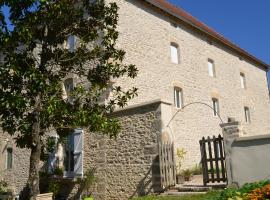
<point x="244" y="22"/>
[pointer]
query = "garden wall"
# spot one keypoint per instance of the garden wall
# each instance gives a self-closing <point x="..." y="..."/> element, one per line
<point x="247" y="158"/>
<point x="127" y="165"/>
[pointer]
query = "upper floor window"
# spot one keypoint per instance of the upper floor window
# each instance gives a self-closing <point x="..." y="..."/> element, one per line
<point x="69" y="87"/>
<point x="9" y="157"/>
<point x="247" y="115"/>
<point x="178" y="97"/>
<point x="71" y="43"/>
<point x="215" y="106"/>
<point x="174" y="53"/>
<point x="243" y="80"/>
<point x="211" y="68"/>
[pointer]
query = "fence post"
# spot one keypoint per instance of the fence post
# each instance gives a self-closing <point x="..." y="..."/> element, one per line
<point x="230" y="133"/>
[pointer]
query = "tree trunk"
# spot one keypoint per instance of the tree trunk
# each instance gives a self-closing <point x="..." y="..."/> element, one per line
<point x="33" y="179"/>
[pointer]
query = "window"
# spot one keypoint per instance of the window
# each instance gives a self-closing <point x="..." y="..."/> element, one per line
<point x="178" y="97"/>
<point x="71" y="43"/>
<point x="73" y="158"/>
<point x="247" y="115"/>
<point x="9" y="158"/>
<point x="243" y="80"/>
<point x="174" y="53"/>
<point x="211" y="68"/>
<point x="69" y="87"/>
<point x="215" y="106"/>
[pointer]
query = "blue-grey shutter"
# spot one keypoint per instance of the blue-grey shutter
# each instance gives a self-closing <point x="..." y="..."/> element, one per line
<point x="78" y="152"/>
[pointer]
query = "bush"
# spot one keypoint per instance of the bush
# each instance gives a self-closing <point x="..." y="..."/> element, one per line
<point x="247" y="191"/>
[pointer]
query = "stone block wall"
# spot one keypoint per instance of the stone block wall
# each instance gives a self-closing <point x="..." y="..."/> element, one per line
<point x="146" y="34"/>
<point x="18" y="175"/>
<point x="128" y="165"/>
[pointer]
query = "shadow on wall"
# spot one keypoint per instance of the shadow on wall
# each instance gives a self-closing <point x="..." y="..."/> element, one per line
<point x="151" y="182"/>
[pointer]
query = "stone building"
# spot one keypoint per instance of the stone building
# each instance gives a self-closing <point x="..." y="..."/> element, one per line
<point x="182" y="64"/>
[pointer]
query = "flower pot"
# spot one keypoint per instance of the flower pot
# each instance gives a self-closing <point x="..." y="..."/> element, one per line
<point x="180" y="179"/>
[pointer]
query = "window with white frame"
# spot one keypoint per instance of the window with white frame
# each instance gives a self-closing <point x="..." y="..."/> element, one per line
<point x="247" y="115"/>
<point x="211" y="68"/>
<point x="215" y="106"/>
<point x="178" y="97"/>
<point x="243" y="80"/>
<point x="174" y="53"/>
<point x="9" y="157"/>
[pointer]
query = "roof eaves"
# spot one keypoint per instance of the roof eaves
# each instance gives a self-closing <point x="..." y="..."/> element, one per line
<point x="204" y="28"/>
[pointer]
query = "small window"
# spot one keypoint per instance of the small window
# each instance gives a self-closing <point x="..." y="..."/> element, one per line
<point x="174" y="53"/>
<point x="247" y="115"/>
<point x="215" y="106"/>
<point x="243" y="80"/>
<point x="69" y="87"/>
<point x="71" y="43"/>
<point x="9" y="158"/>
<point x="211" y="68"/>
<point x="178" y="97"/>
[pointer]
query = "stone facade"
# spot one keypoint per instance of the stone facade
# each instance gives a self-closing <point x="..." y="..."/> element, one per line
<point x="126" y="166"/>
<point x="17" y="176"/>
<point x="146" y="34"/>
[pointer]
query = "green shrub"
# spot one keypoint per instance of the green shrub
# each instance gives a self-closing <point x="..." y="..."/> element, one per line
<point x="248" y="187"/>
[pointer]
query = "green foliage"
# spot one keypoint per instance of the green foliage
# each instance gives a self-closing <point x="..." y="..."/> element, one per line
<point x="233" y="193"/>
<point x="34" y="63"/>
<point x="54" y="188"/>
<point x="58" y="171"/>
<point x="88" y="181"/>
<point x="3" y="186"/>
<point x="180" y="153"/>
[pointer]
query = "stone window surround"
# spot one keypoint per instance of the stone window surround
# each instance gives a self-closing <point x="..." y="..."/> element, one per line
<point x="176" y="46"/>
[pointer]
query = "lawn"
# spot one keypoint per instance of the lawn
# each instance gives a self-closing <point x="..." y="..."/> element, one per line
<point x="213" y="195"/>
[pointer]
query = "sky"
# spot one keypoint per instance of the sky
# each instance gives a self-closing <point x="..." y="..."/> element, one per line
<point x="244" y="22"/>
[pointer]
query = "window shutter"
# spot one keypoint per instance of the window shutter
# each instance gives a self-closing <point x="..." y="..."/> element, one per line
<point x="78" y="152"/>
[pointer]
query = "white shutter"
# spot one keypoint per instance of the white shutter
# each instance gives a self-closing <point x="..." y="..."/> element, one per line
<point x="174" y="54"/>
<point x="211" y="68"/>
<point x="242" y="80"/>
<point x="78" y="152"/>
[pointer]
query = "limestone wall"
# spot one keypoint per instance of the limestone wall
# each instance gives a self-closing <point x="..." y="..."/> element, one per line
<point x="18" y="175"/>
<point x="146" y="34"/>
<point x="128" y="165"/>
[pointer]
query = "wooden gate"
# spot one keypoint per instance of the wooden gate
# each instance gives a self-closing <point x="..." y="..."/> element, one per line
<point x="167" y="165"/>
<point x="213" y="160"/>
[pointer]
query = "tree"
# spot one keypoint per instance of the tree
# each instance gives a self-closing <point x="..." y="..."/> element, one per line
<point x="34" y="63"/>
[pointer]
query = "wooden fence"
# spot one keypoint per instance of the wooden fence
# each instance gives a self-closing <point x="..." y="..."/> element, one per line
<point x="167" y="165"/>
<point x="213" y="160"/>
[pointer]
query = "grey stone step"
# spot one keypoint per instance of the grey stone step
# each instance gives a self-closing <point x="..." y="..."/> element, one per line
<point x="177" y="193"/>
<point x="184" y="188"/>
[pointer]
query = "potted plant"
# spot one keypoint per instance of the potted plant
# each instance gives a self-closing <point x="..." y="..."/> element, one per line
<point x="87" y="183"/>
<point x="187" y="174"/>
<point x="180" y="153"/>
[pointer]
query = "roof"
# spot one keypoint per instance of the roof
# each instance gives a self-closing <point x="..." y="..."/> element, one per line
<point x="184" y="16"/>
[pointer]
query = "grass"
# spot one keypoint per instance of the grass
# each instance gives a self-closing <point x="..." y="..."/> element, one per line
<point x="212" y="195"/>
